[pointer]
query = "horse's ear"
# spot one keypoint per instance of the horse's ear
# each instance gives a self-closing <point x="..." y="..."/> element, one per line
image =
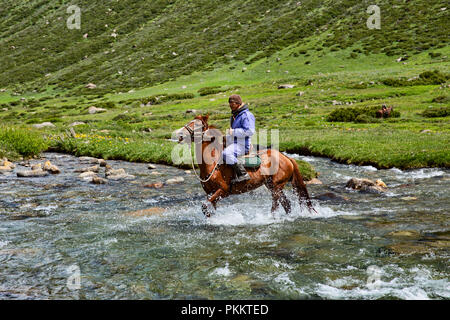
<point x="205" y="118"/>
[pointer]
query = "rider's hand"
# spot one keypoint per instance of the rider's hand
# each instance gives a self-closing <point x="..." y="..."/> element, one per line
<point x="229" y="132"/>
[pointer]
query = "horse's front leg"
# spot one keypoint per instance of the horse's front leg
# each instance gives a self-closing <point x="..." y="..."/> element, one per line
<point x="212" y="201"/>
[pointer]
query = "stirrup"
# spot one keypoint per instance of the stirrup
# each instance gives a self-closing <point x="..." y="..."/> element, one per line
<point x="240" y="174"/>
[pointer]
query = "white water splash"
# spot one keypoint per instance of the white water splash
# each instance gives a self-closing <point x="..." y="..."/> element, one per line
<point x="223" y="272"/>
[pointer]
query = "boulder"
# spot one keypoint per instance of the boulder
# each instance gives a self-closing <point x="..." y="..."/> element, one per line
<point x="4" y="170"/>
<point x="156" y="185"/>
<point x="93" y="110"/>
<point x="48" y="166"/>
<point x="102" y="162"/>
<point x="7" y="164"/>
<point x="286" y="86"/>
<point x="151" y="166"/>
<point x="37" y="166"/>
<point x="88" y="160"/>
<point x="91" y="169"/>
<point x="121" y="176"/>
<point x="175" y="180"/>
<point x="98" y="180"/>
<point x="76" y="123"/>
<point x="114" y="172"/>
<point x="404" y="234"/>
<point x="44" y="125"/>
<point x="314" y="181"/>
<point x="87" y="175"/>
<point x="32" y="173"/>
<point x="366" y="185"/>
<point x="91" y="86"/>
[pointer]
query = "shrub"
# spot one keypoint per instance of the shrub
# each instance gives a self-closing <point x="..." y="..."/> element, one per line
<point x="441" y="99"/>
<point x="434" y="54"/>
<point x="210" y="90"/>
<point x="360" y="115"/>
<point x="425" y="78"/>
<point x="22" y="141"/>
<point x="436" y="113"/>
<point x="364" y="118"/>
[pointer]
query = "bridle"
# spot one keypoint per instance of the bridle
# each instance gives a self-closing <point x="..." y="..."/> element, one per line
<point x="192" y="134"/>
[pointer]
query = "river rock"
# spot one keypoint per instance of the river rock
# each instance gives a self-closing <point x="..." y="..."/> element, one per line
<point x="175" y="180"/>
<point x="91" y="169"/>
<point x="7" y="164"/>
<point x="98" y="180"/>
<point x="329" y="196"/>
<point x="408" y="198"/>
<point x="48" y="166"/>
<point x="404" y="234"/>
<point x="156" y="185"/>
<point x="114" y="172"/>
<point x="155" y="173"/>
<point x="366" y="185"/>
<point x="121" y="176"/>
<point x="44" y="125"/>
<point x="36" y="166"/>
<point x="151" y="166"/>
<point x="32" y="173"/>
<point x="102" y="162"/>
<point x="87" y="175"/>
<point x="88" y="160"/>
<point x="156" y="211"/>
<point x="314" y="181"/>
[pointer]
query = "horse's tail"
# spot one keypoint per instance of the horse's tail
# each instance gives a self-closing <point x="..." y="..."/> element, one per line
<point x="300" y="186"/>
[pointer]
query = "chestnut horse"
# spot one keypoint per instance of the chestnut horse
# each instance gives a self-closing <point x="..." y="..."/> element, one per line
<point x="275" y="171"/>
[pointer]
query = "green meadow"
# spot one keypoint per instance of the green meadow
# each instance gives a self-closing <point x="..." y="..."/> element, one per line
<point x="339" y="67"/>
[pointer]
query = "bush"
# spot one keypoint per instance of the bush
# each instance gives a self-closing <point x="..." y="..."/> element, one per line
<point x="210" y="90"/>
<point x="425" y="78"/>
<point x="22" y="141"/>
<point x="436" y="113"/>
<point x="364" y="118"/>
<point x="441" y="99"/>
<point x="359" y="115"/>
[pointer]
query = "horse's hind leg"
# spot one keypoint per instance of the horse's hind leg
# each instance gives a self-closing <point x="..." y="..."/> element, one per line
<point x="285" y="202"/>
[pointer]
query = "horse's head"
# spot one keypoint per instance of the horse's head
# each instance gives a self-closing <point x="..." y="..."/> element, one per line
<point x="194" y="130"/>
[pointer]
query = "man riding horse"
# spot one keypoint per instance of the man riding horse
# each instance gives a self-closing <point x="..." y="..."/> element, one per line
<point x="238" y="137"/>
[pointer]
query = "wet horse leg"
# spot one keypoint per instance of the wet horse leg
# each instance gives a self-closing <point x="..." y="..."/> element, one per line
<point x="285" y="202"/>
<point x="213" y="200"/>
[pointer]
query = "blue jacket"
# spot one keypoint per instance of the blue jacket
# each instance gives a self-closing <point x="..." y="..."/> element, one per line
<point x="243" y="125"/>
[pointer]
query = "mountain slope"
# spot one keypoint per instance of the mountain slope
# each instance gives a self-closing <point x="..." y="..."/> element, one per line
<point x="128" y="44"/>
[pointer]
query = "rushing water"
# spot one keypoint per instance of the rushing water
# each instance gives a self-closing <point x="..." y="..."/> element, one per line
<point x="349" y="250"/>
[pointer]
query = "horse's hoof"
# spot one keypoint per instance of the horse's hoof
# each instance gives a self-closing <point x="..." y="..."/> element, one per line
<point x="205" y="211"/>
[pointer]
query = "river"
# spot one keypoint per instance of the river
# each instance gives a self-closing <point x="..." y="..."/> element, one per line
<point x="358" y="246"/>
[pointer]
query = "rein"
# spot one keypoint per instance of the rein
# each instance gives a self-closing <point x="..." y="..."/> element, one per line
<point x="191" y="132"/>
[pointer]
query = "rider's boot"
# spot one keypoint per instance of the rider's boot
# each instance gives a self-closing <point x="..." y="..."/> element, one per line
<point x="240" y="173"/>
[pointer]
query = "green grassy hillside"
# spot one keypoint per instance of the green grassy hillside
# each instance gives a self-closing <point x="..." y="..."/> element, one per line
<point x="160" y="40"/>
<point x="324" y="49"/>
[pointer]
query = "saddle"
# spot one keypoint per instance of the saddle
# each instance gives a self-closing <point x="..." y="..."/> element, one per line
<point x="250" y="160"/>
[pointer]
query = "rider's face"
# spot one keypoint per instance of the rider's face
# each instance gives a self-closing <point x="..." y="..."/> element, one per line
<point x="234" y="105"/>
